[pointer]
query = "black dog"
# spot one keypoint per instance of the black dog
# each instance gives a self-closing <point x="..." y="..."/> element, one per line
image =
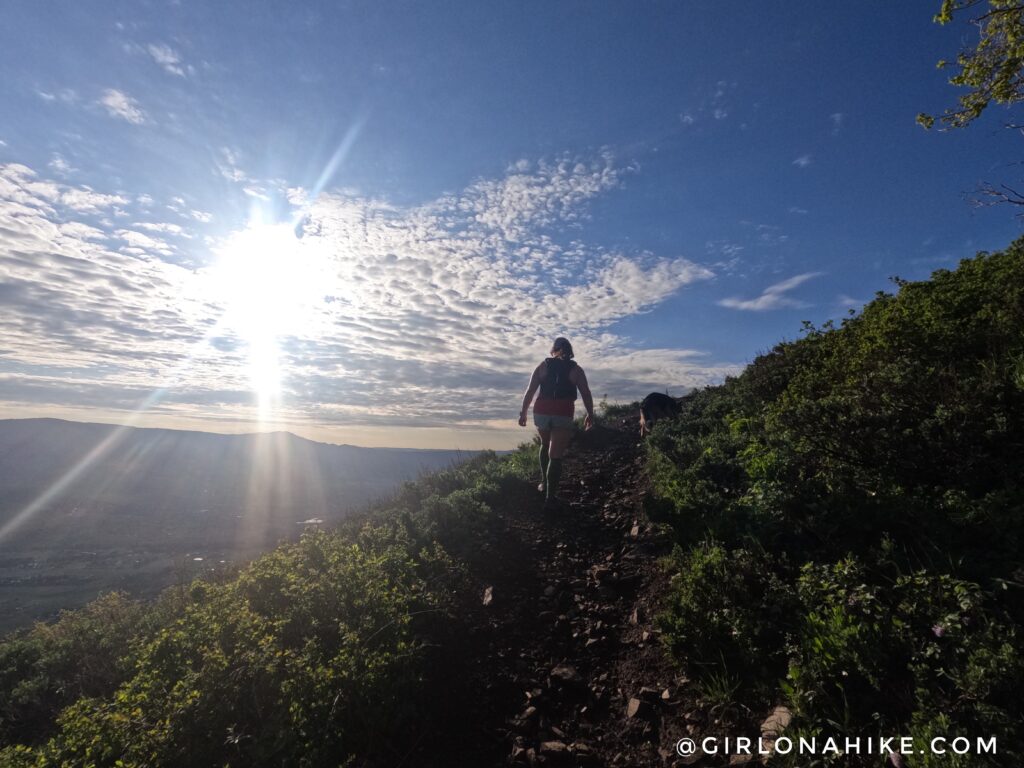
<point x="656" y="406"/>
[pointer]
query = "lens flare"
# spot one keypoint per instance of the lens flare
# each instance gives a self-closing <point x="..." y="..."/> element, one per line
<point x="271" y="286"/>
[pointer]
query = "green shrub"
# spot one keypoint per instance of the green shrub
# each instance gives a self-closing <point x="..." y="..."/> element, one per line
<point x="45" y="668"/>
<point x="885" y="457"/>
<point x="321" y="652"/>
<point x="727" y="613"/>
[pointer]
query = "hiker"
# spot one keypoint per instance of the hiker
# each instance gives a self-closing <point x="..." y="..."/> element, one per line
<point x="559" y="378"/>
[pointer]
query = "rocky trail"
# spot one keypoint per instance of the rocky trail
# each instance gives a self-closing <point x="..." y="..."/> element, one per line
<point x="565" y="668"/>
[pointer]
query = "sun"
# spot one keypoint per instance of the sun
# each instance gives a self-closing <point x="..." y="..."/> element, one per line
<point x="270" y="284"/>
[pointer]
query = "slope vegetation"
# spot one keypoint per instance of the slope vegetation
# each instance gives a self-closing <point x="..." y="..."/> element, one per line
<point x="851" y="518"/>
<point x="833" y="538"/>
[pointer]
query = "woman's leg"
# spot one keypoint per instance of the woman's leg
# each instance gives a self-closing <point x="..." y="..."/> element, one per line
<point x="545" y="442"/>
<point x="559" y="442"/>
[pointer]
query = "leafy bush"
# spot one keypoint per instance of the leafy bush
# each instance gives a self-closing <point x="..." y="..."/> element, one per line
<point x="84" y="653"/>
<point x="728" y="610"/>
<point x="318" y="653"/>
<point x="885" y="457"/>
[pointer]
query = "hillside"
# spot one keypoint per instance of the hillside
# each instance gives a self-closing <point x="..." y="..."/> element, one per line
<point x="827" y="545"/>
<point x="138" y="509"/>
<point x="525" y="628"/>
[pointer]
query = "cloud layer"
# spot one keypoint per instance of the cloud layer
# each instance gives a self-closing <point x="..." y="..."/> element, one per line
<point x="427" y="316"/>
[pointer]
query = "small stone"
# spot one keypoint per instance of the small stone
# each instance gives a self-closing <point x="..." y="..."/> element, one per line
<point x="488" y="596"/>
<point x="553" y="748"/>
<point x="638" y="708"/>
<point x="777" y="721"/>
<point x="567" y="676"/>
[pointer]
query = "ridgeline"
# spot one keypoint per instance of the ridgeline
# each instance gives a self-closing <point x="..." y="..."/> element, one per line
<point x="828" y="545"/>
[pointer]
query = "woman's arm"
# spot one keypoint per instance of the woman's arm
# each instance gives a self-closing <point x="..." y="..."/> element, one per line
<point x="538" y="374"/>
<point x="579" y="378"/>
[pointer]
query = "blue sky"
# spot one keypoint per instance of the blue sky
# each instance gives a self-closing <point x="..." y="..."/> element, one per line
<point x="675" y="186"/>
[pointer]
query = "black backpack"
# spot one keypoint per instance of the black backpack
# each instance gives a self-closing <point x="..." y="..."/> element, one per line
<point x="556" y="384"/>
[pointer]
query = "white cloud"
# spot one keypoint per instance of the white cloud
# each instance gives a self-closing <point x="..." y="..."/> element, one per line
<point x="60" y="164"/>
<point x="720" y="114"/>
<point x="171" y="229"/>
<point x="121" y="105"/>
<point x="803" y="161"/>
<point x="766" y="234"/>
<point x="85" y="200"/>
<point x="257" y="192"/>
<point x="795" y="209"/>
<point x="687" y="119"/>
<point x="773" y="297"/>
<point x="848" y="302"/>
<point x="65" y="95"/>
<point x="166" y="57"/>
<point x="229" y="168"/>
<point x="143" y="243"/>
<point x="837" y="119"/>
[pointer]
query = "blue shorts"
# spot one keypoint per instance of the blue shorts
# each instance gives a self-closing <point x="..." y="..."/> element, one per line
<point x="546" y="423"/>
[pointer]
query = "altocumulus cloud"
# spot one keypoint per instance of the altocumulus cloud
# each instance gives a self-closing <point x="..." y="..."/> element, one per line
<point x="429" y="315"/>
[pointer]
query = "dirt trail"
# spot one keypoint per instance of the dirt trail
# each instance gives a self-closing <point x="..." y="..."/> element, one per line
<point x="565" y="669"/>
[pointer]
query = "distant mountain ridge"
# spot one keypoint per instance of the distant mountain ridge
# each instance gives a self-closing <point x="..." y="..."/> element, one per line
<point x="131" y="496"/>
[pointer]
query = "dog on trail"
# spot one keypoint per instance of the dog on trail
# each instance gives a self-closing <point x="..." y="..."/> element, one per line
<point x="656" y="406"/>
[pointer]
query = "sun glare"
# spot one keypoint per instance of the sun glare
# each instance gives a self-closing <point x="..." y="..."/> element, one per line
<point x="271" y="285"/>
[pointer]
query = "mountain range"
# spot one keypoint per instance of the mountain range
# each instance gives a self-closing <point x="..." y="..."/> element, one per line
<point x="89" y="507"/>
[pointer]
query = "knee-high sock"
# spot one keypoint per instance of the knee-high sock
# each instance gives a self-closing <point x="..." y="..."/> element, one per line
<point x="554" y="473"/>
<point x="543" y="463"/>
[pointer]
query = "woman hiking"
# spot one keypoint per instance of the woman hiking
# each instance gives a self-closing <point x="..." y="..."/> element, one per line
<point x="559" y="379"/>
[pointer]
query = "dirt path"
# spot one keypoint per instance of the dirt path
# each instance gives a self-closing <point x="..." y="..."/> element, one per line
<point x="563" y="662"/>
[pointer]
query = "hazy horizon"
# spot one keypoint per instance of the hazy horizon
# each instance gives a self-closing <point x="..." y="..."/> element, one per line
<point x="250" y="428"/>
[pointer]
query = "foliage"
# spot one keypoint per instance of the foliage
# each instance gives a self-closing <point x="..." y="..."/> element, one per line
<point x="992" y="69"/>
<point x="617" y="410"/>
<point x="84" y="653"/>
<point x="727" y="612"/>
<point x="884" y="456"/>
<point x="322" y="652"/>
